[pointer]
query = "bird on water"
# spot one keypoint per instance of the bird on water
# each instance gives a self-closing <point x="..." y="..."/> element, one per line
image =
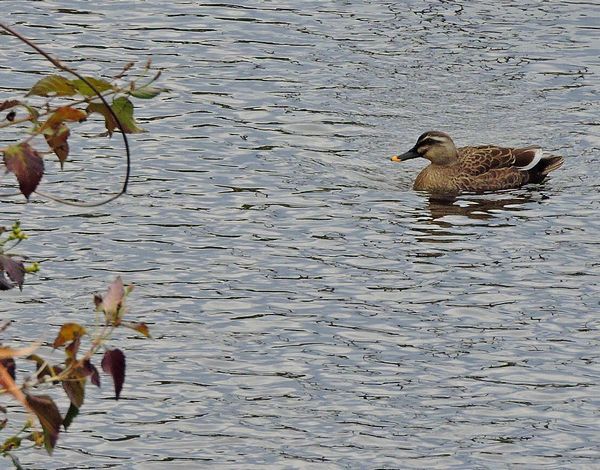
<point x="476" y="169"/>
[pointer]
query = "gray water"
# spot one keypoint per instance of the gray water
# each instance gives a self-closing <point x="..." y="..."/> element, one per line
<point x="309" y="309"/>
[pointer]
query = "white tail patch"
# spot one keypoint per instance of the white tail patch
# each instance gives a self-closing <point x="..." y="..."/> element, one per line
<point x="537" y="156"/>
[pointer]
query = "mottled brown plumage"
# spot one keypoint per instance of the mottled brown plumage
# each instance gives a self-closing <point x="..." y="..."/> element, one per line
<point x="476" y="169"/>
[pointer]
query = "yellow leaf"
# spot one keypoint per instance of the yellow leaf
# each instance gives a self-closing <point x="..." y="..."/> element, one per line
<point x="139" y="327"/>
<point x="53" y="85"/>
<point x="68" y="332"/>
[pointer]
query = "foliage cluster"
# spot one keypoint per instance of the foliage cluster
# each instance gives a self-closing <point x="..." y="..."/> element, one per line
<point x="45" y="116"/>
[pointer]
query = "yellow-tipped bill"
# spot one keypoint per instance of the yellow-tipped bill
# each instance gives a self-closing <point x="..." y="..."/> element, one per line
<point x="412" y="153"/>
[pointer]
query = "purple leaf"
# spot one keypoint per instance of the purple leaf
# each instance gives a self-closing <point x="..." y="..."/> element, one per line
<point x="27" y="165"/>
<point x="113" y="363"/>
<point x="90" y="369"/>
<point x="47" y="412"/>
<point x="15" y="271"/>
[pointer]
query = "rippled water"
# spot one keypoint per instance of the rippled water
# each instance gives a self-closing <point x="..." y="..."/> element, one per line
<point x="309" y="308"/>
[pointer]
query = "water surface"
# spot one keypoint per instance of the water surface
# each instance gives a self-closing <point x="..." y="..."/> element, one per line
<point x="309" y="308"/>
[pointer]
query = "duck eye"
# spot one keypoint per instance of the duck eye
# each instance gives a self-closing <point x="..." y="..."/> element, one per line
<point x="428" y="141"/>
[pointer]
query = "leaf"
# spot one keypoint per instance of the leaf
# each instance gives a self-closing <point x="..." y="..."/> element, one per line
<point x="113" y="363"/>
<point x="27" y="165"/>
<point x="68" y="332"/>
<point x="74" y="387"/>
<point x="91" y="371"/>
<point x="15" y="270"/>
<point x="57" y="141"/>
<point x="85" y="90"/>
<point x="47" y="412"/>
<point x="12" y="443"/>
<point x="53" y="85"/>
<point x="141" y="328"/>
<point x="72" y="412"/>
<point x="123" y="109"/>
<point x="64" y="114"/>
<point x="5" y="284"/>
<point x="147" y="92"/>
<point x="9" y="365"/>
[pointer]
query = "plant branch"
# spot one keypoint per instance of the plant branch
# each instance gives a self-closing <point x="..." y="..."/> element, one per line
<point x="59" y="65"/>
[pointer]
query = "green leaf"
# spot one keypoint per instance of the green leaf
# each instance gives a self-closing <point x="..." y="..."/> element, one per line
<point x="70" y="416"/>
<point x="47" y="412"/>
<point x="147" y="92"/>
<point x="12" y="443"/>
<point x="85" y="90"/>
<point x="123" y="109"/>
<point x="27" y="165"/>
<point x="53" y="85"/>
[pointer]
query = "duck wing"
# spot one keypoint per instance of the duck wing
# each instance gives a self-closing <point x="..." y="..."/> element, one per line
<point x="493" y="168"/>
<point x="481" y="159"/>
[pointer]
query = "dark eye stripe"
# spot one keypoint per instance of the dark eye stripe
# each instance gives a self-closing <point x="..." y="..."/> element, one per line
<point x="428" y="141"/>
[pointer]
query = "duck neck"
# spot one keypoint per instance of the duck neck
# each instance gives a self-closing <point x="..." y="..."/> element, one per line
<point x="447" y="159"/>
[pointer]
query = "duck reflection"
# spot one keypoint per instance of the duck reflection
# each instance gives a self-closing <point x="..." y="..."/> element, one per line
<point x="446" y="218"/>
<point x="475" y="207"/>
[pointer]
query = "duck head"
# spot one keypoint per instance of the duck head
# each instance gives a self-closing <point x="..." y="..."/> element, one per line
<point x="435" y="146"/>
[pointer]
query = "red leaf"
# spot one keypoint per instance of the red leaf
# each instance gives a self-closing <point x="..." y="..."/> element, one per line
<point x="113" y="363"/>
<point x="47" y="412"/>
<point x="56" y="138"/>
<point x="27" y="165"/>
<point x="62" y="114"/>
<point x="15" y="271"/>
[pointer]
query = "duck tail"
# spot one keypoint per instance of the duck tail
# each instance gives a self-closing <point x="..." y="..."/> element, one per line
<point x="549" y="163"/>
<point x="546" y="164"/>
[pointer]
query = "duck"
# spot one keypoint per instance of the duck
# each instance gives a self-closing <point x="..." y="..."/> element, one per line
<point x="476" y="169"/>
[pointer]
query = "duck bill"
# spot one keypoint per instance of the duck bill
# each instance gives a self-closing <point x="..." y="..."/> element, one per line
<point x="412" y="153"/>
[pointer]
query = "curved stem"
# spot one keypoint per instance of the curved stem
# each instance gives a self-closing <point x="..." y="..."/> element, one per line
<point x="61" y="66"/>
